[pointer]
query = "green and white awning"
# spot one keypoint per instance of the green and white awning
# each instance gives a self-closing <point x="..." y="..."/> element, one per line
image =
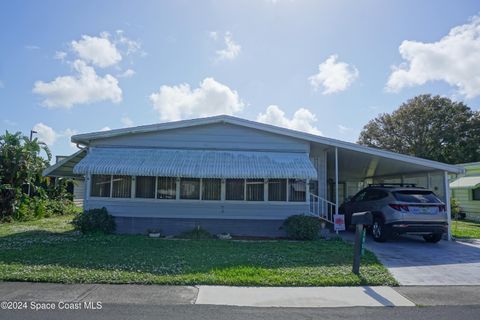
<point x="466" y="183"/>
<point x="196" y="163"/>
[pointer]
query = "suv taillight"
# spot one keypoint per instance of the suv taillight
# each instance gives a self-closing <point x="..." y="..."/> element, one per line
<point x="399" y="207"/>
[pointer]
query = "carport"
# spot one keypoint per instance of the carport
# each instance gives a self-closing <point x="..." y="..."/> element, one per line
<point x="351" y="167"/>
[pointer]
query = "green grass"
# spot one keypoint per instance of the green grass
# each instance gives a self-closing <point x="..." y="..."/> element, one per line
<point x="466" y="229"/>
<point x="49" y="251"/>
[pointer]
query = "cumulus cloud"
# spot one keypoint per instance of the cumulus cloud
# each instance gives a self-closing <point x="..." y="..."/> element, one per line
<point x="231" y="50"/>
<point x="60" y="55"/>
<point x="453" y="59"/>
<point x="99" y="51"/>
<point x="302" y="120"/>
<point x="333" y="76"/>
<point x="130" y="45"/>
<point x="85" y="87"/>
<point x="126" y="121"/>
<point x="45" y="133"/>
<point x="127" y="73"/>
<point x="181" y="101"/>
<point x="105" y="129"/>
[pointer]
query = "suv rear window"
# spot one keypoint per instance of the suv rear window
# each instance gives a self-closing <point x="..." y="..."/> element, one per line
<point x="416" y="196"/>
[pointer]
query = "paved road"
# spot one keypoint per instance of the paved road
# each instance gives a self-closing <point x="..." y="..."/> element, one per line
<point x="412" y="261"/>
<point x="204" y="312"/>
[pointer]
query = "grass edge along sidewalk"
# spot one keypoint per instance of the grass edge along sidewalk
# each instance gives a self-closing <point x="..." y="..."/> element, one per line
<point x="48" y="250"/>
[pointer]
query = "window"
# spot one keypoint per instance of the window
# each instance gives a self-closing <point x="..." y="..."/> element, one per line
<point x="313" y="187"/>
<point x="277" y="190"/>
<point x="167" y="188"/>
<point x="145" y="187"/>
<point x="255" y="189"/>
<point x="211" y="189"/>
<point x="297" y="190"/>
<point x="190" y="188"/>
<point x="100" y="185"/>
<point x="235" y="189"/>
<point x="121" y="187"/>
<point x="374" y="194"/>
<point x="476" y="194"/>
<point x="416" y="196"/>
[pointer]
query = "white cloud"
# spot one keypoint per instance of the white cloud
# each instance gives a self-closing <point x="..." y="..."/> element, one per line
<point x="344" y="129"/>
<point x="302" y="120"/>
<point x="232" y="49"/>
<point x="131" y="46"/>
<point x="453" y="59"/>
<point x="333" y="76"/>
<point x="32" y="47"/>
<point x="213" y="35"/>
<point x="127" y="73"/>
<point x="180" y="101"/>
<point x="105" y="129"/>
<point x="126" y="121"/>
<point x="85" y="87"/>
<point x="99" y="51"/>
<point x="60" y="55"/>
<point x="45" y="133"/>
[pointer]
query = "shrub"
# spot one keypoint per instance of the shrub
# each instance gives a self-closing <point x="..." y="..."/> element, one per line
<point x="94" y="220"/>
<point x="300" y="227"/>
<point x="197" y="233"/>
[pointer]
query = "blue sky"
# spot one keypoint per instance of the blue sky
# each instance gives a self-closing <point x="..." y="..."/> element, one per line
<point x="326" y="67"/>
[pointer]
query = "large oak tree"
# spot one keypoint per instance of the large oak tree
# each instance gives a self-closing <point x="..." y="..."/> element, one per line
<point x="430" y="127"/>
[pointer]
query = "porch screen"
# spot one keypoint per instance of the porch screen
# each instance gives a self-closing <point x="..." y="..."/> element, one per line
<point x="167" y="188"/>
<point x="297" y="190"/>
<point x="235" y="189"/>
<point x="255" y="189"/>
<point x="100" y="185"/>
<point x="121" y="186"/>
<point x="190" y="188"/>
<point x="145" y="187"/>
<point x="211" y="189"/>
<point x="277" y="190"/>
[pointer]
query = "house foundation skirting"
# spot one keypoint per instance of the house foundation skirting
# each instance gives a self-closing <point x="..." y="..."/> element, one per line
<point x="172" y="226"/>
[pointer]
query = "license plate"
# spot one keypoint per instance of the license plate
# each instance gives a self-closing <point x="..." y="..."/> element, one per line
<point x="423" y="210"/>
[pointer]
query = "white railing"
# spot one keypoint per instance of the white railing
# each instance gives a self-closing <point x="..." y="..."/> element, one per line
<point x="321" y="208"/>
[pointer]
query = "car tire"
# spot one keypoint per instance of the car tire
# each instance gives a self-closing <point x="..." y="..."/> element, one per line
<point x="379" y="230"/>
<point x="433" y="237"/>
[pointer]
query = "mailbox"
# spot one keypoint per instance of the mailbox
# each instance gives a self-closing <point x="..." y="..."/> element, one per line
<point x="364" y="218"/>
<point x="359" y="219"/>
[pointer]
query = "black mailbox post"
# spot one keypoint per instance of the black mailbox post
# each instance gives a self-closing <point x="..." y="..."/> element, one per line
<point x="359" y="219"/>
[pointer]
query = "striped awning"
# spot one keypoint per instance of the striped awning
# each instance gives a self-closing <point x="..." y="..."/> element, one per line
<point x="466" y="183"/>
<point x="196" y="163"/>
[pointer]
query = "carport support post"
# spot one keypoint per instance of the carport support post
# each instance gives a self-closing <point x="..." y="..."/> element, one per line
<point x="447" y="204"/>
<point x="336" y="181"/>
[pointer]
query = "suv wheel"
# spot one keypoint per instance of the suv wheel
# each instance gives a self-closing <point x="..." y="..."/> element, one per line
<point x="433" y="237"/>
<point x="379" y="230"/>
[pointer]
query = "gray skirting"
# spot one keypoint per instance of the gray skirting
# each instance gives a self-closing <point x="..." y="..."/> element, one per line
<point x="172" y="226"/>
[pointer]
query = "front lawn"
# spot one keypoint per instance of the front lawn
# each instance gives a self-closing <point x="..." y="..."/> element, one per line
<point x="48" y="250"/>
<point x="466" y="229"/>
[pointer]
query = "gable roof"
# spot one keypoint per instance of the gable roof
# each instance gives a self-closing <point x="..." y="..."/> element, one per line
<point x="87" y="137"/>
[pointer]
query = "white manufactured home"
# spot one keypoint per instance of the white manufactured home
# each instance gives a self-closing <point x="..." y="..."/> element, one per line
<point x="228" y="174"/>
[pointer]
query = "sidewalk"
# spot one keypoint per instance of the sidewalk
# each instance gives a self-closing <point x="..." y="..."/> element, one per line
<point x="313" y="297"/>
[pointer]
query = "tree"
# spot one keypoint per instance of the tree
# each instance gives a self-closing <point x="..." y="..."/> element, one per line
<point x="20" y="165"/>
<point x="434" y="128"/>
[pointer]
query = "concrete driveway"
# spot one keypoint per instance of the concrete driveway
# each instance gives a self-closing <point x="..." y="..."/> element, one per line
<point x="412" y="261"/>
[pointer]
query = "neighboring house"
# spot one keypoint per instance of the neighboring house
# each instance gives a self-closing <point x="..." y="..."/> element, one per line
<point x="61" y="169"/>
<point x="466" y="189"/>
<point x="228" y="174"/>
